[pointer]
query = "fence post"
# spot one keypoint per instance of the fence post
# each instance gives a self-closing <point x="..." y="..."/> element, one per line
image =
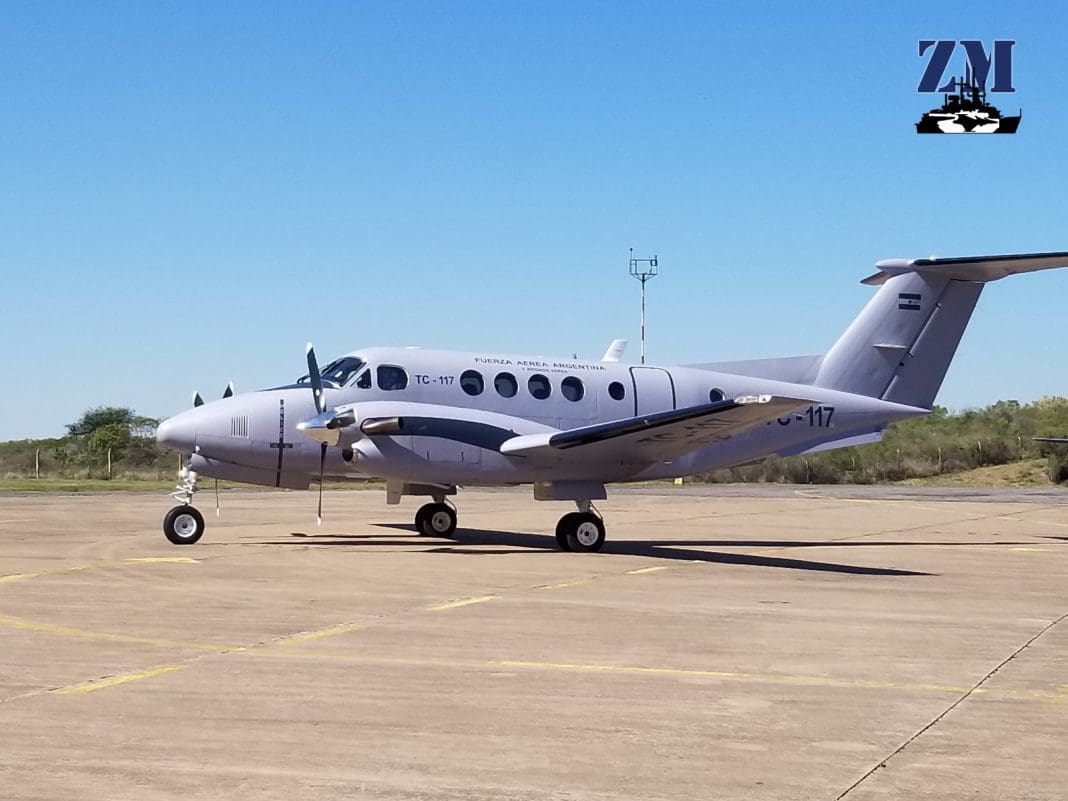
<point x="37" y="464"/>
<point x="109" y="464"/>
<point x="979" y="442"/>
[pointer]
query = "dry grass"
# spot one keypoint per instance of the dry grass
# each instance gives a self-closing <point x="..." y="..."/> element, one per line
<point x="1030" y="473"/>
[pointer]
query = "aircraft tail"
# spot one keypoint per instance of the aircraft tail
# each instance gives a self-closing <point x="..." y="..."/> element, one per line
<point x="900" y="346"/>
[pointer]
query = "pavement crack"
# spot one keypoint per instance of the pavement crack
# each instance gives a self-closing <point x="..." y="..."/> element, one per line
<point x="937" y="719"/>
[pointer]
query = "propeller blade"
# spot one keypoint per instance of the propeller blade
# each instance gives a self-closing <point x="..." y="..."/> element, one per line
<point x="315" y="379"/>
<point x="322" y="466"/>
<point x="216" y="497"/>
<point x="229" y="391"/>
<point x="197" y="400"/>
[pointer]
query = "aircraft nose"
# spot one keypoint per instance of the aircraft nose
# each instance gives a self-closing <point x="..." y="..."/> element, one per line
<point x="178" y="433"/>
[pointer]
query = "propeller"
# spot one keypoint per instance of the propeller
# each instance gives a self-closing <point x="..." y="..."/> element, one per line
<point x="316" y="381"/>
<point x="227" y="393"/>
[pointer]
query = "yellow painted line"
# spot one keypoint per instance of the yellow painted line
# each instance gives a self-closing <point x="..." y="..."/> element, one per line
<point x="463" y="602"/>
<point x="184" y="560"/>
<point x="1056" y="697"/>
<point x="67" y="631"/>
<point x="772" y="678"/>
<point x="647" y="570"/>
<point x="102" y="684"/>
<point x="319" y="634"/>
<point x="563" y="584"/>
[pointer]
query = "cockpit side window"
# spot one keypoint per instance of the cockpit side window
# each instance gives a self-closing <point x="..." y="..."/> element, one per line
<point x="339" y="372"/>
<point x="391" y="377"/>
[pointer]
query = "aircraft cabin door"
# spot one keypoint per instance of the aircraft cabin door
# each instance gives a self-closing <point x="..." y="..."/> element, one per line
<point x="654" y="391"/>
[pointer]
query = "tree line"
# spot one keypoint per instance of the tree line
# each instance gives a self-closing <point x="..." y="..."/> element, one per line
<point x="939" y="443"/>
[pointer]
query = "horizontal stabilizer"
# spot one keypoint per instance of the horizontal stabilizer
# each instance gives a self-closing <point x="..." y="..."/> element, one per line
<point x="969" y="268"/>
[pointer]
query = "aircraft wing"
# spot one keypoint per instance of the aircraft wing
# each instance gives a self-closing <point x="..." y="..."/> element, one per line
<point x="660" y="436"/>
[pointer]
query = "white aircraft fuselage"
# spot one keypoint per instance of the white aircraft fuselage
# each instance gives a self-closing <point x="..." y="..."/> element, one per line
<point x="449" y="436"/>
<point x="428" y="421"/>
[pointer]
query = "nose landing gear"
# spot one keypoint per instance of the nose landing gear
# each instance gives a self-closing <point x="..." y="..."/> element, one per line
<point x="183" y="524"/>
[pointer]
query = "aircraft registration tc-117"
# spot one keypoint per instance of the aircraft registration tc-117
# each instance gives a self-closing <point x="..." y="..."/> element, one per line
<point x="428" y="421"/>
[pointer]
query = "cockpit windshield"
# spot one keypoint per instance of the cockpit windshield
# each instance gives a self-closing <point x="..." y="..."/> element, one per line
<point x="339" y="372"/>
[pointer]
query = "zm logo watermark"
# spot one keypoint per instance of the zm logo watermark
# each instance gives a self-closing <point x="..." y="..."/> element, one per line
<point x="964" y="105"/>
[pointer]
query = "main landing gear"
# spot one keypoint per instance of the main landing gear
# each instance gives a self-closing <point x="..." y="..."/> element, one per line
<point x="582" y="530"/>
<point x="184" y="525"/>
<point x="436" y="519"/>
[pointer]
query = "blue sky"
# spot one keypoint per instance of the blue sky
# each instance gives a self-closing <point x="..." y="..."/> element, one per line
<point x="193" y="190"/>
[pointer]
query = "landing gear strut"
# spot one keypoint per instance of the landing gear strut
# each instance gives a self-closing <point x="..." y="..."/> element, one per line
<point x="436" y="519"/>
<point x="184" y="525"/>
<point x="582" y="530"/>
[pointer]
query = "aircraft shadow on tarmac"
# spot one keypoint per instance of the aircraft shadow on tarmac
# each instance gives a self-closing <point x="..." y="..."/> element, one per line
<point x="511" y="542"/>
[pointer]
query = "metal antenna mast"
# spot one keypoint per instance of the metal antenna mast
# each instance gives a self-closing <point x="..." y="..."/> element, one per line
<point x="643" y="270"/>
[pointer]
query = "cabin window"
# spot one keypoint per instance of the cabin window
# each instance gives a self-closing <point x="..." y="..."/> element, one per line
<point x="506" y="385"/>
<point x="572" y="389"/>
<point x="364" y="381"/>
<point x="471" y="382"/>
<point x="616" y="391"/>
<point x="716" y="395"/>
<point x="539" y="386"/>
<point x="391" y="377"/>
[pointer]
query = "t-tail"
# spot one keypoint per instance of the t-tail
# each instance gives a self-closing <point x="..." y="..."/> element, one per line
<point x="900" y="346"/>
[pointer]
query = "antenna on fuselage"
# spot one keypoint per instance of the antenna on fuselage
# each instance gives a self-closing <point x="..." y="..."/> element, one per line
<point x="643" y="270"/>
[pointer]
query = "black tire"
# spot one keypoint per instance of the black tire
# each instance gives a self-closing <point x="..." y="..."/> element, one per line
<point x="436" y="520"/>
<point x="565" y="525"/>
<point x="183" y="525"/>
<point x="420" y="518"/>
<point x="586" y="532"/>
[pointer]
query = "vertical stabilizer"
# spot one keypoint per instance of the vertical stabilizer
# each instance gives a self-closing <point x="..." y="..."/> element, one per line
<point x="900" y="346"/>
<point x="903" y="340"/>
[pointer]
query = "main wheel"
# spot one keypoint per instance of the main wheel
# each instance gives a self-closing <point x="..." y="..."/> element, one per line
<point x="435" y="520"/>
<point x="565" y="525"/>
<point x="183" y="525"/>
<point x="585" y="532"/>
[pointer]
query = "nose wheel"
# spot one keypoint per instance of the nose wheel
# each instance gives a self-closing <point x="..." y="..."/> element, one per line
<point x="436" y="520"/>
<point x="183" y="525"/>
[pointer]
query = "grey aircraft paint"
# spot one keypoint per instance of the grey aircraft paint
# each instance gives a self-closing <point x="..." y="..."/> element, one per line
<point x="436" y="419"/>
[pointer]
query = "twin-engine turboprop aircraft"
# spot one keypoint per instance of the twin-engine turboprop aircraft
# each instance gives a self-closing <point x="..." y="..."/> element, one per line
<point x="428" y="421"/>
